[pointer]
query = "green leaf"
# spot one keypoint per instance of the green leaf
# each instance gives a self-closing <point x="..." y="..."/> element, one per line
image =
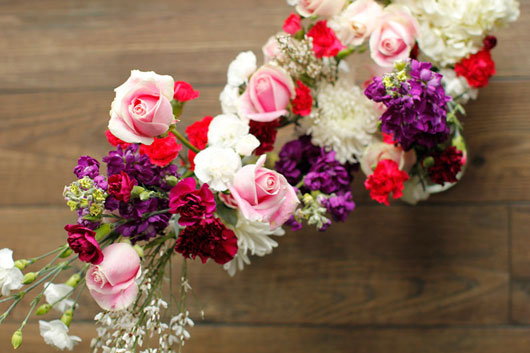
<point x="227" y="214"/>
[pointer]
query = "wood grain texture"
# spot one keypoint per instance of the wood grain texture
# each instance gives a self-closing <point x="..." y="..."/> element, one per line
<point x="435" y="265"/>
<point x="449" y="275"/>
<point x="267" y="339"/>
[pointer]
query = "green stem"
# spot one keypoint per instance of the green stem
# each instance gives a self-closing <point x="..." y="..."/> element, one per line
<point x="182" y="139"/>
<point x="188" y="173"/>
<point x="61" y="248"/>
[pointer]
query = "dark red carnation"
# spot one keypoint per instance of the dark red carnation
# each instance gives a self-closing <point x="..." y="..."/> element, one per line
<point x="490" y="42"/>
<point x="292" y="24"/>
<point x="162" y="151"/>
<point x="303" y="101"/>
<point x="325" y="42"/>
<point x="207" y="239"/>
<point x="198" y="136"/>
<point x="83" y="241"/>
<point x="120" y="186"/>
<point x="387" y="179"/>
<point x="477" y="68"/>
<point x="447" y="164"/>
<point x="114" y="141"/>
<point x="184" y="92"/>
<point x="192" y="205"/>
<point x="265" y="133"/>
<point x="415" y="52"/>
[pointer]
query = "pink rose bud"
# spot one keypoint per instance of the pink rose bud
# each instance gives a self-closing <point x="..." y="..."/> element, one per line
<point x="263" y="195"/>
<point x="292" y="24"/>
<point x="394" y="36"/>
<point x="142" y="108"/>
<point x="268" y="94"/>
<point x="325" y="8"/>
<point x="112" y="283"/>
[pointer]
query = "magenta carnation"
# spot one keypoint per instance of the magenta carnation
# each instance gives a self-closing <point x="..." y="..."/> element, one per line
<point x="82" y="241"/>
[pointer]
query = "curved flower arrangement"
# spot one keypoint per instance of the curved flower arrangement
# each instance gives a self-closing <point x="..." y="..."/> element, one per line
<point x="220" y="192"/>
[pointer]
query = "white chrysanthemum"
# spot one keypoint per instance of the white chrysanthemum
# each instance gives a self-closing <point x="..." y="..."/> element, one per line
<point x="55" y="292"/>
<point x="413" y="191"/>
<point x="345" y="120"/>
<point x="229" y="97"/>
<point x="217" y="166"/>
<point x="10" y="276"/>
<point x="253" y="238"/>
<point x="453" y="29"/>
<point x="457" y="87"/>
<point x="241" y="68"/>
<point x="55" y="333"/>
<point x="227" y="130"/>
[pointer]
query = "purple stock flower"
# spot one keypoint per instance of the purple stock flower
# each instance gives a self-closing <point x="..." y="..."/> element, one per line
<point x="293" y="223"/>
<point x="339" y="205"/>
<point x="416" y="107"/>
<point x="328" y="175"/>
<point x="139" y="167"/>
<point x="86" y="166"/>
<point x="139" y="227"/>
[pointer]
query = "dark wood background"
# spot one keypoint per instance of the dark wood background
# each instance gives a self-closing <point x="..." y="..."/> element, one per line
<point x="450" y="275"/>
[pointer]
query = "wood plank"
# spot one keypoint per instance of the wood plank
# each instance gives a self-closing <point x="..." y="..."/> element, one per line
<point x="85" y="45"/>
<point x="221" y="339"/>
<point x="404" y="265"/>
<point x="520" y="258"/>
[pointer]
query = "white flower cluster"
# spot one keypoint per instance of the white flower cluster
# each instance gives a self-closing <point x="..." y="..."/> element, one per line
<point x="457" y="87"/>
<point x="123" y="331"/>
<point x="253" y="238"/>
<point x="238" y="73"/>
<point x="10" y="276"/>
<point x="453" y="29"/>
<point x="345" y="121"/>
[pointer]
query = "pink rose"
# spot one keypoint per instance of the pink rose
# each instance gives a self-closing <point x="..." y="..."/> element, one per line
<point x="394" y="36"/>
<point x="112" y="283"/>
<point x="263" y="195"/>
<point x="267" y="95"/>
<point x="142" y="108"/>
<point x="325" y="8"/>
<point x="379" y="151"/>
<point x="271" y="49"/>
<point x="356" y="22"/>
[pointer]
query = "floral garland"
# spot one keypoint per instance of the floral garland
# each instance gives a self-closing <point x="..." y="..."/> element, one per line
<point x="220" y="192"/>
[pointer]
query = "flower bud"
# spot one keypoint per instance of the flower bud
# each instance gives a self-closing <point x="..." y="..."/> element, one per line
<point x="29" y="277"/>
<point x="21" y="264"/>
<point x="139" y="250"/>
<point x="16" y="339"/>
<point x="66" y="253"/>
<point x="144" y="195"/>
<point x="136" y="191"/>
<point x="428" y="162"/>
<point x="171" y="180"/>
<point x="73" y="281"/>
<point x="67" y="317"/>
<point x="43" y="309"/>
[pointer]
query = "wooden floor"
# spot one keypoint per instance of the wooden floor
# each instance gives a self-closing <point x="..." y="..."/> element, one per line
<point x="449" y="276"/>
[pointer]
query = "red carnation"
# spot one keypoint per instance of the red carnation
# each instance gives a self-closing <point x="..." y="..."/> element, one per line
<point x="303" y="102"/>
<point x="162" y="151"/>
<point x="191" y="204"/>
<point x="265" y="133"/>
<point x="388" y="138"/>
<point x="114" y="141"/>
<point x="477" y="68"/>
<point x="207" y="238"/>
<point x="184" y="92"/>
<point x="387" y="179"/>
<point x="447" y="164"/>
<point x="292" y="24"/>
<point x="120" y="186"/>
<point x="83" y="242"/>
<point x="198" y="136"/>
<point x="325" y="42"/>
